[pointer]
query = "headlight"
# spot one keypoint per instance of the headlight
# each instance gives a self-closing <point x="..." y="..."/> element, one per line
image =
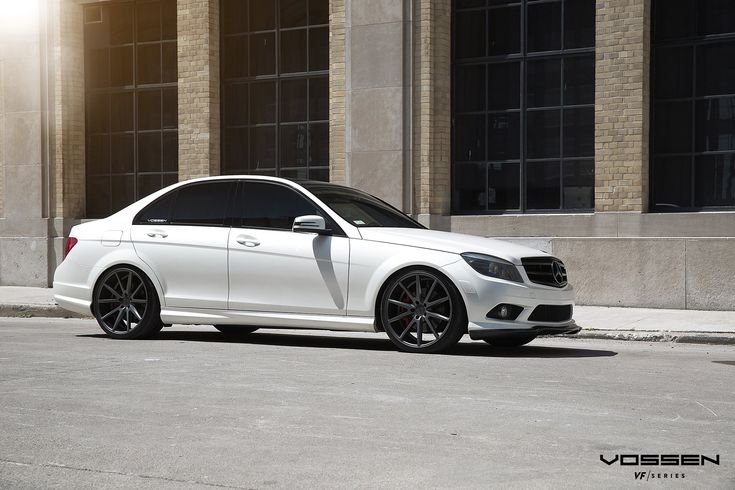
<point x="487" y="265"/>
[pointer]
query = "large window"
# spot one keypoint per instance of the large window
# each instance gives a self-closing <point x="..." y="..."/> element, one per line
<point x="523" y="105"/>
<point x="275" y="107"/>
<point x="693" y="105"/>
<point x="131" y="102"/>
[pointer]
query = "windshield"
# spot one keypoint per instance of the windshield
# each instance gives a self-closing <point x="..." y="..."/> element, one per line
<point x="359" y="208"/>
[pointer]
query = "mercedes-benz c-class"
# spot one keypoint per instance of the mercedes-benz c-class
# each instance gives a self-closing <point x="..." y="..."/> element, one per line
<point x="245" y="252"/>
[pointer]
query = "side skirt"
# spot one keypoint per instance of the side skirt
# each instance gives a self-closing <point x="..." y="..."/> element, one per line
<point x="267" y="319"/>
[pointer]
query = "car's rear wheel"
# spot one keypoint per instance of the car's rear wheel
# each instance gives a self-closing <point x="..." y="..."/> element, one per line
<point x="422" y="311"/>
<point x="514" y="341"/>
<point x="126" y="305"/>
<point x="235" y="329"/>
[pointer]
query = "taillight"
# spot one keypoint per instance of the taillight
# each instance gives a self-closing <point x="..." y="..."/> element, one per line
<point x="70" y="242"/>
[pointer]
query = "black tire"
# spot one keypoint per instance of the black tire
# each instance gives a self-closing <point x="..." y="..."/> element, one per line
<point x="235" y="329"/>
<point x="119" y="296"/>
<point x="508" y="342"/>
<point x="421" y="301"/>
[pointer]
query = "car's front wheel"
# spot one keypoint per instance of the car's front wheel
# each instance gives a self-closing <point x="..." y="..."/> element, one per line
<point x="126" y="305"/>
<point x="235" y="329"/>
<point x="422" y="311"/>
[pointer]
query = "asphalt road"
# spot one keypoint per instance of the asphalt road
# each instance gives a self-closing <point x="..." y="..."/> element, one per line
<point x="194" y="409"/>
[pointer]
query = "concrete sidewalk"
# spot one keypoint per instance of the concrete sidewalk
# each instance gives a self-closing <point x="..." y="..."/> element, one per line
<point x="646" y="324"/>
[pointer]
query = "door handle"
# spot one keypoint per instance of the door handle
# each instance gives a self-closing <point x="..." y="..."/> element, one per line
<point x="154" y="234"/>
<point x="248" y="242"/>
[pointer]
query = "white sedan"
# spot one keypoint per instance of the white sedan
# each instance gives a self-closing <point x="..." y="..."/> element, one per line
<point x="243" y="252"/>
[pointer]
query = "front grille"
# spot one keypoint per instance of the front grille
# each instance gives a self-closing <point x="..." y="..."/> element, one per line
<point x="546" y="270"/>
<point x="551" y="313"/>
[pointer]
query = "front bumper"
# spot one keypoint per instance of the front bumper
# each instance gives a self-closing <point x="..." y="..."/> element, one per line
<point x="481" y="294"/>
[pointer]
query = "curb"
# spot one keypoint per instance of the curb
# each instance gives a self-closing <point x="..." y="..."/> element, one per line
<point x="658" y="336"/>
<point x="37" y="311"/>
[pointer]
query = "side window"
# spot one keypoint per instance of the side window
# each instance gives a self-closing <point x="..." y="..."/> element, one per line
<point x="158" y="212"/>
<point x="265" y="205"/>
<point x="202" y="204"/>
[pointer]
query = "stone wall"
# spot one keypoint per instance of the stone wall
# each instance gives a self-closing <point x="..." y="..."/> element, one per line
<point x="337" y="88"/>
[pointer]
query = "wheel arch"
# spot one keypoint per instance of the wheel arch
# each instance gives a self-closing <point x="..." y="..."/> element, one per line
<point x="102" y="271"/>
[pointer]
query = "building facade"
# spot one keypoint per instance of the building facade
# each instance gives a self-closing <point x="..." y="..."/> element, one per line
<point x="600" y="131"/>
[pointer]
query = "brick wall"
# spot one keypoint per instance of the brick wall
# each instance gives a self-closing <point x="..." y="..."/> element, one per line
<point x="337" y="89"/>
<point x="198" y="85"/>
<point x="431" y="106"/>
<point x="621" y="105"/>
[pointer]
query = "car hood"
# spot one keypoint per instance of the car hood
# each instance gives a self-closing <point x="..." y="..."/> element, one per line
<point x="451" y="242"/>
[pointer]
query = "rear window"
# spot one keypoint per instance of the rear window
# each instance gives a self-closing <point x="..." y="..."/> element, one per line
<point x="203" y="204"/>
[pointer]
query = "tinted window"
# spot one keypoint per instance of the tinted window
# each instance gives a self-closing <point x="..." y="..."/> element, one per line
<point x="265" y="205"/>
<point x="158" y="212"/>
<point x="202" y="204"/>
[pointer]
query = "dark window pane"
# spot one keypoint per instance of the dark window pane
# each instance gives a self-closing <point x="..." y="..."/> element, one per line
<point x="469" y="88"/>
<point x="714" y="177"/>
<point x="97" y="68"/>
<point x="543" y="82"/>
<point x="235" y="16"/>
<point x="168" y="16"/>
<point x="543" y="134"/>
<point x="544" y="27"/>
<point x="319" y="144"/>
<point x="170" y="151"/>
<point x="262" y="102"/>
<point x="579" y="184"/>
<point x="235" y="57"/>
<point x="122" y="154"/>
<point x="463" y="4"/>
<point x="319" y="49"/>
<point x="98" y="196"/>
<point x="321" y="174"/>
<point x="319" y="99"/>
<point x="202" y="204"/>
<point x="715" y="124"/>
<point x="98" y="113"/>
<point x="121" y="111"/>
<point x="294" y="173"/>
<point x="235" y="104"/>
<point x="293" y="51"/>
<point x="262" y="54"/>
<point x="293" y="145"/>
<point x="673" y="19"/>
<point x="148" y="184"/>
<point x="543" y="182"/>
<point x="170" y="108"/>
<point x="579" y="24"/>
<point x="504" y="136"/>
<point x="672" y="182"/>
<point x="504" y="86"/>
<point x="318" y="12"/>
<point x="149" y="63"/>
<point x="715" y="69"/>
<point x="149" y="21"/>
<point x="293" y="13"/>
<point x="273" y="206"/>
<point x="469" y="41"/>
<point x="121" y="66"/>
<point x="293" y="100"/>
<point x="262" y="15"/>
<point x="579" y="80"/>
<point x="170" y="179"/>
<point x="503" y="186"/>
<point x="236" y="150"/>
<point x="263" y="147"/>
<point x="470" y="190"/>
<point x="579" y="132"/>
<point x="98" y="154"/>
<point x="504" y="30"/>
<point x="121" y="24"/>
<point x="672" y="127"/>
<point x="149" y="109"/>
<point x="149" y="152"/>
<point x="715" y="17"/>
<point x="170" y="69"/>
<point x="673" y="72"/>
<point x="469" y="136"/>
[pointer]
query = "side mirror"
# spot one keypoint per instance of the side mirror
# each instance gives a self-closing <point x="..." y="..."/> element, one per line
<point x="310" y="224"/>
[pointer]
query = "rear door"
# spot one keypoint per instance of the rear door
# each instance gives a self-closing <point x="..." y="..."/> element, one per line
<point x="183" y="238"/>
<point x="274" y="269"/>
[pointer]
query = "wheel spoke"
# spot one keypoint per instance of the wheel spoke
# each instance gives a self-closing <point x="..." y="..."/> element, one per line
<point x="111" y="312"/>
<point x="431" y="327"/>
<point x="437" y="302"/>
<point x="419" y="332"/>
<point x="136" y="290"/>
<point x="408" y="327"/>
<point x="437" y="315"/>
<point x="130" y="282"/>
<point x="118" y="319"/>
<point x="110" y="300"/>
<point x="127" y="319"/>
<point x="400" y="303"/>
<point x="134" y="310"/>
<point x="117" y="295"/>
<point x="410" y="296"/>
<point x="398" y="317"/>
<point x="418" y="289"/>
<point x="119" y="282"/>
<point x="431" y="290"/>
